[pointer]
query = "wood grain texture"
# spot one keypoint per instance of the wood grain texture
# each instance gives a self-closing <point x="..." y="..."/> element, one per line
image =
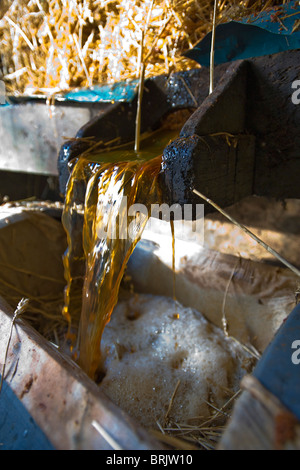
<point x="260" y="422"/>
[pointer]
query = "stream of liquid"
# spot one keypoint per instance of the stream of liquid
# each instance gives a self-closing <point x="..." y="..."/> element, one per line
<point x="103" y="225"/>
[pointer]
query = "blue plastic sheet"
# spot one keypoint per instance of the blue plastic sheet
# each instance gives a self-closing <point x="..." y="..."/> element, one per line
<point x="269" y="32"/>
<point x="121" y="91"/>
<point x="110" y="93"/>
<point x="278" y="368"/>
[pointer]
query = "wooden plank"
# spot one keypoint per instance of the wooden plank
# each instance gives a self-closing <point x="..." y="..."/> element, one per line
<point x="260" y="422"/>
<point x="219" y="165"/>
<point x="275" y="119"/>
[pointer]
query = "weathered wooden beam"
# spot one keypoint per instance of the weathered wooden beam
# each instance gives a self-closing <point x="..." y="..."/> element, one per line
<point x="260" y="422"/>
<point x="253" y="98"/>
<point x="220" y="165"/>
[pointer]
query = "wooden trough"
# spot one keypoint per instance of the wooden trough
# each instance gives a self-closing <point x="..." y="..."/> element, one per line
<point x="48" y="402"/>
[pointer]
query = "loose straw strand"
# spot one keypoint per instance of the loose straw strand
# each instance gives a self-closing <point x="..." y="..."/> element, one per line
<point x="251" y="234"/>
<point x="224" y="319"/>
<point x="212" y="50"/>
<point x="142" y="66"/>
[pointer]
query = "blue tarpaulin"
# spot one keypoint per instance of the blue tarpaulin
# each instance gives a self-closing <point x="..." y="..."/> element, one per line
<point x="274" y="30"/>
<point x="108" y="93"/>
<point x="121" y="91"/>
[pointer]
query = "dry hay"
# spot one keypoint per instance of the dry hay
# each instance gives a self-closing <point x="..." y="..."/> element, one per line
<point x="31" y="252"/>
<point x="189" y="436"/>
<point x="48" y="46"/>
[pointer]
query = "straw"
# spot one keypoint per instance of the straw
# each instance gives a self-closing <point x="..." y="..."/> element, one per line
<point x="251" y="234"/>
<point x="142" y="66"/>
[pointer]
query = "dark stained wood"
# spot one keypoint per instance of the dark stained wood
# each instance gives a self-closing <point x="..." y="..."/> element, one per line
<point x="219" y="166"/>
<point x="253" y="98"/>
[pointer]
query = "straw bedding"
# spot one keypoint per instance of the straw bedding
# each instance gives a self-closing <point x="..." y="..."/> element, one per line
<point x="48" y="46"/>
<point x="168" y="367"/>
